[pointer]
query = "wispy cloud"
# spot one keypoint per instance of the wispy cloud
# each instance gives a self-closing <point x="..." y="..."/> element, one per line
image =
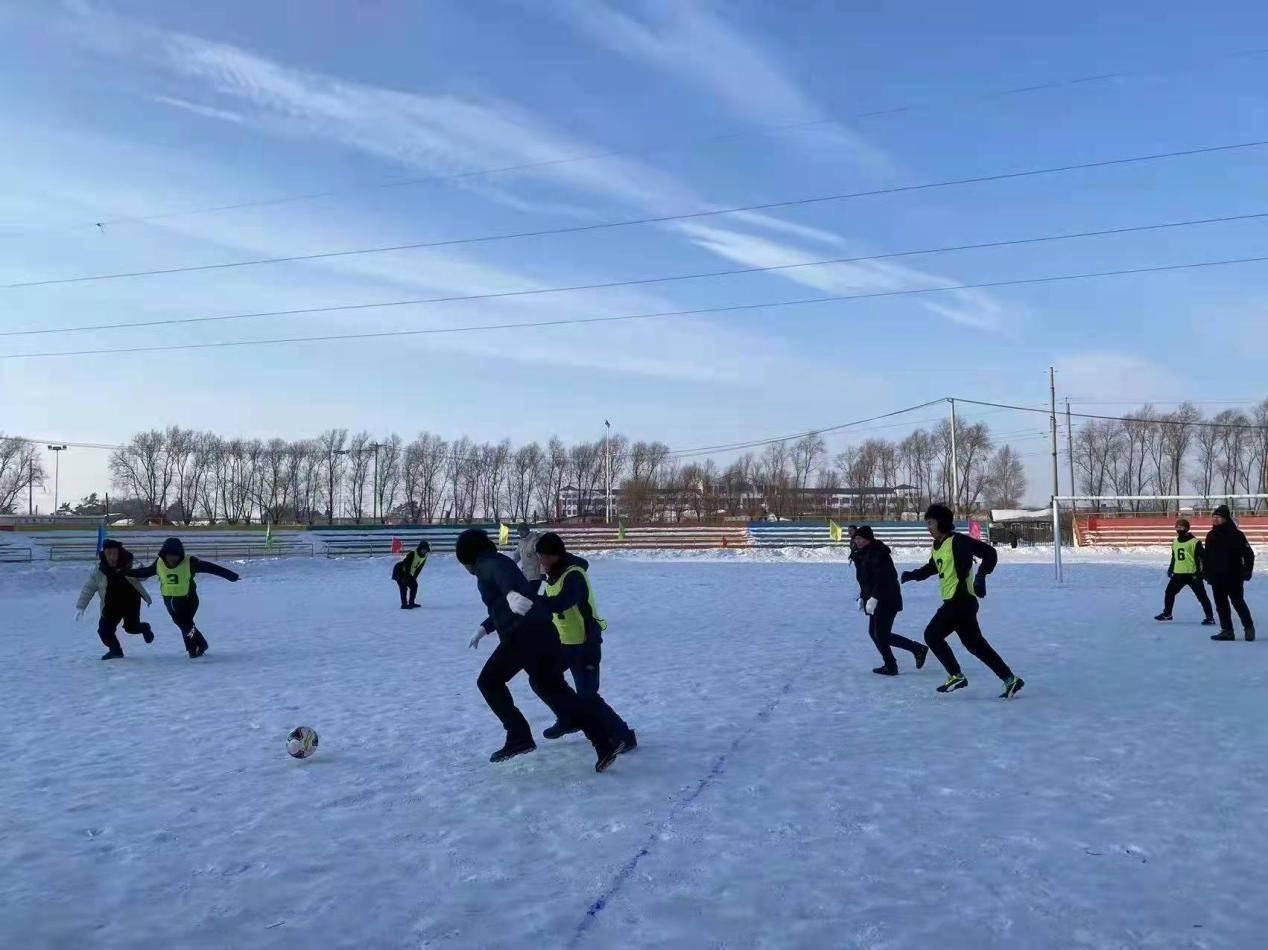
<point x="209" y="112"/>
<point x="967" y="307"/>
<point x="686" y="39"/>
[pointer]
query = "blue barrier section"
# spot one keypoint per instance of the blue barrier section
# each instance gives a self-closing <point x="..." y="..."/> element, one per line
<point x="816" y="534"/>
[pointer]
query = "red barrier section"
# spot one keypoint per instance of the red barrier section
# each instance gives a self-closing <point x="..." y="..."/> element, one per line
<point x="1129" y="531"/>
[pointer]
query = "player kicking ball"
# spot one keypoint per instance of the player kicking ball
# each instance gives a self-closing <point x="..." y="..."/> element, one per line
<point x="952" y="561"/>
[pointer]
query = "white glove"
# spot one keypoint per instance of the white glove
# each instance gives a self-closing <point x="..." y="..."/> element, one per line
<point x="480" y="634"/>
<point x="518" y="603"/>
<point x="79" y="614"/>
<point x="870" y="607"/>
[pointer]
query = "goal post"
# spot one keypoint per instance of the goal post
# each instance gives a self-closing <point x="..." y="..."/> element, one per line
<point x="1073" y="501"/>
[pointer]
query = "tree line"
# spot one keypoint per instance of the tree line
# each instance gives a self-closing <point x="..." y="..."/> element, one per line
<point x="188" y="476"/>
<point x="1150" y="452"/>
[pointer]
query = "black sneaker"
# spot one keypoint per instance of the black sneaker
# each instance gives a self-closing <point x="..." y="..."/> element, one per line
<point x="559" y="730"/>
<point x="608" y="754"/>
<point x="954" y="681"/>
<point x="513" y="748"/>
<point x="112" y="655"/>
<point x="631" y="743"/>
<point x="1250" y="634"/>
<point x="1012" y="686"/>
<point x="1224" y="636"/>
<point x="1209" y="622"/>
<point x="886" y="671"/>
<point x="1163" y="617"/>
<point x="921" y="655"/>
<point x="404" y="606"/>
<point x="147" y="634"/>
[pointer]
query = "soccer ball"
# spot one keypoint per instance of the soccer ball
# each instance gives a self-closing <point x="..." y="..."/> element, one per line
<point x="302" y="742"/>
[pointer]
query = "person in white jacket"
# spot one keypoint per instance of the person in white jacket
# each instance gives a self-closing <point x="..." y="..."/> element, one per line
<point x="526" y="555"/>
<point x="121" y="598"/>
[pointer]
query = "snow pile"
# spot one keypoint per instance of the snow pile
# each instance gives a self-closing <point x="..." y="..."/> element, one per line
<point x="782" y="796"/>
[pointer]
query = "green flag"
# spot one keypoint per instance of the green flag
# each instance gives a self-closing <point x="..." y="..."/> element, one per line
<point x="620" y="530"/>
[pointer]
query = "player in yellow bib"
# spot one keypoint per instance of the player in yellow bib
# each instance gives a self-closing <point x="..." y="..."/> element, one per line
<point x="406" y="571"/>
<point x="1185" y="570"/>
<point x="952" y="561"/>
<point x="175" y="571"/>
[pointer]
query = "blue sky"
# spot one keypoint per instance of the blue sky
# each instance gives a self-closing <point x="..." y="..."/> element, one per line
<point x="113" y="111"/>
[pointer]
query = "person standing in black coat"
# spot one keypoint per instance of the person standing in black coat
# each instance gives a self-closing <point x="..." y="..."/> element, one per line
<point x="882" y="600"/>
<point x="1229" y="562"/>
<point x="527" y="643"/>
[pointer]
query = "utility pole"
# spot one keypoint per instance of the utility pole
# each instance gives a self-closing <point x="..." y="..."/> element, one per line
<point x="57" y="451"/>
<point x="955" y="465"/>
<point x="376" y="446"/>
<point x="1056" y="485"/>
<point x="607" y="471"/>
<point x="1069" y="445"/>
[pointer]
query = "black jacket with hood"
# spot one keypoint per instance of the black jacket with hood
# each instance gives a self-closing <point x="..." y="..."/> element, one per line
<point x="877" y="575"/>
<point x="496" y="576"/>
<point x="575" y="592"/>
<point x="1228" y="555"/>
<point x="196" y="565"/>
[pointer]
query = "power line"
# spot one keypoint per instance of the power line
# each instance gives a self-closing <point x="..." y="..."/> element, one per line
<point x="1088" y="415"/>
<point x="641" y="281"/>
<point x="573" y="321"/>
<point x="770" y="129"/>
<point x="660" y="219"/>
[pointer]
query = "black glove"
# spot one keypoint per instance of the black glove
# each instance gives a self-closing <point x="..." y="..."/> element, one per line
<point x="908" y="575"/>
<point x="1246" y="577"/>
<point x="234" y="578"/>
<point x="979" y="586"/>
<point x="1170" y="572"/>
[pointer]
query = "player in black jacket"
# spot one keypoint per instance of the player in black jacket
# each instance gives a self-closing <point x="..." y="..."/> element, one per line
<point x="1230" y="562"/>
<point x="952" y="562"/>
<point x="1185" y="570"/>
<point x="527" y="643"/>
<point x="175" y="571"/>
<point x="405" y="572"/>
<point x="881" y="599"/>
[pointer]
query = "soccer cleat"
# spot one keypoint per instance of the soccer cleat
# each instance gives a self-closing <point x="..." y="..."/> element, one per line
<point x="886" y="671"/>
<point x="559" y="730"/>
<point x="112" y="655"/>
<point x="1250" y="634"/>
<point x="1163" y="616"/>
<point x="1209" y="622"/>
<point x="1012" y="686"/>
<point x="1224" y="636"/>
<point x="513" y="748"/>
<point x="954" y="681"/>
<point x="608" y="754"/>
<point x="921" y="655"/>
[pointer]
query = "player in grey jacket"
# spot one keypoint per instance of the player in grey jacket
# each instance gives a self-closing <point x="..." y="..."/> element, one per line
<point x="121" y="598"/>
<point x="526" y="555"/>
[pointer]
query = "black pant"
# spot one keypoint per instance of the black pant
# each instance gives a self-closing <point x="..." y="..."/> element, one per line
<point x="583" y="663"/>
<point x="1179" y="582"/>
<point x="1229" y="590"/>
<point x="880" y="627"/>
<point x="543" y="661"/>
<point x="959" y="615"/>
<point x="111" y="616"/>
<point x="182" y="611"/>
<point x="409" y="589"/>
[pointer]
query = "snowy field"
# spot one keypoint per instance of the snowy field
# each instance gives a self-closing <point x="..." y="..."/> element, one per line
<point x="782" y="795"/>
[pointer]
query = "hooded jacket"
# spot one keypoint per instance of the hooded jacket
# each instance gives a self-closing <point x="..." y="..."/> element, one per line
<point x="877" y="575"/>
<point x="496" y="576"/>
<point x="196" y="566"/>
<point x="117" y="590"/>
<point x="1228" y="555"/>
<point x="575" y="592"/>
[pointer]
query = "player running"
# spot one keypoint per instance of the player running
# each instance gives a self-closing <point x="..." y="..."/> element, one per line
<point x="121" y="598"/>
<point x="175" y="571"/>
<point x="952" y="561"/>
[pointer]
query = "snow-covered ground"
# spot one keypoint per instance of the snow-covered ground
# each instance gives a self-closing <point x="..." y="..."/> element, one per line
<point x="782" y="796"/>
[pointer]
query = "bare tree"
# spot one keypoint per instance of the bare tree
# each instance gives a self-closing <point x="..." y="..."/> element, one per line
<point x="143" y="470"/>
<point x="21" y="470"/>
<point x="331" y="444"/>
<point x="806" y="454"/>
<point x="1005" y="479"/>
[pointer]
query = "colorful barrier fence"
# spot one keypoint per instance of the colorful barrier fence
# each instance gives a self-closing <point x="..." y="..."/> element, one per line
<point x="1133" y="530"/>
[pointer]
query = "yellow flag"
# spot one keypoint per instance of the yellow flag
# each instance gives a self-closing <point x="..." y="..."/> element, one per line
<point x="834" y="531"/>
<point x="504" y="534"/>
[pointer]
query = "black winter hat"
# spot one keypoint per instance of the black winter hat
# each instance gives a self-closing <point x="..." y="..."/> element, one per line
<point x="471" y="544"/>
<point x="423" y="547"/>
<point x="1223" y="512"/>
<point x="172" y="546"/>
<point x="552" y="544"/>
<point x="865" y="531"/>
<point x="942" y="515"/>
<point x="112" y="543"/>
